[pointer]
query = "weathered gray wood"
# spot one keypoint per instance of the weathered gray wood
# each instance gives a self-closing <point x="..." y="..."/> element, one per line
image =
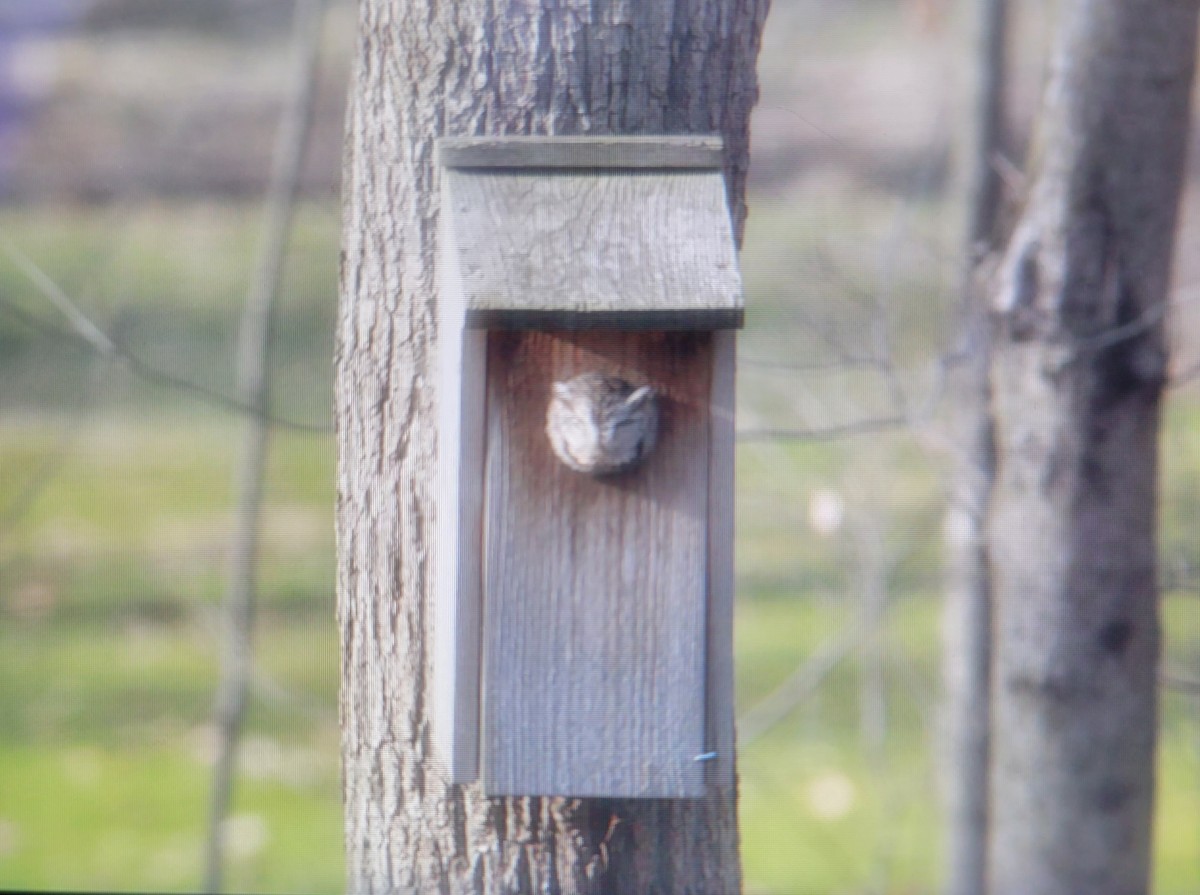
<point x="721" y="494"/>
<point x="594" y="647"/>
<point x="684" y="151"/>
<point x="458" y="609"/>
<point x="552" y="246"/>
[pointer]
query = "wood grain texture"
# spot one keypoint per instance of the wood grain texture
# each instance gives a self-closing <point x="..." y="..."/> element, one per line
<point x="582" y="152"/>
<point x="719" y="707"/>
<point x="462" y="369"/>
<point x="458" y="610"/>
<point x="595" y="242"/>
<point x="594" y="645"/>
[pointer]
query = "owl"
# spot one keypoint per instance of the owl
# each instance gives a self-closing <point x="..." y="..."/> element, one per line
<point x="600" y="424"/>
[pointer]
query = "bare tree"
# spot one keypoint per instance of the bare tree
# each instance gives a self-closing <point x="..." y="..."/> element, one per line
<point x="253" y="372"/>
<point x="427" y="69"/>
<point x="1079" y="364"/>
<point x="967" y="611"/>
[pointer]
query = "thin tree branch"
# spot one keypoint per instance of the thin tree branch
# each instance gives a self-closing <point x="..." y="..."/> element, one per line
<point x="270" y="690"/>
<point x="84" y="331"/>
<point x="1179" y="682"/>
<point x="84" y="327"/>
<point x="254" y="345"/>
<point x="815" y="367"/>
<point x="860" y="427"/>
<point x="54" y="459"/>
<point x="804" y="681"/>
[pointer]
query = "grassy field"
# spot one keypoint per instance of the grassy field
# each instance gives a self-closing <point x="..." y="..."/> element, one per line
<point x="115" y="499"/>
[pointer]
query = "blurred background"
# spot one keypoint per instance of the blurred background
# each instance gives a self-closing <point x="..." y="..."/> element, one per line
<point x="135" y="154"/>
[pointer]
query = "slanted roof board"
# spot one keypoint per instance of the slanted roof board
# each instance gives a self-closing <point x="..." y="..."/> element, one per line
<point x="580" y="248"/>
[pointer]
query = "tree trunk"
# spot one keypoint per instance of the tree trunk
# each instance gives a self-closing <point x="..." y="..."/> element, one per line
<point x="427" y="69"/>
<point x="1077" y="375"/>
<point x="967" y="611"/>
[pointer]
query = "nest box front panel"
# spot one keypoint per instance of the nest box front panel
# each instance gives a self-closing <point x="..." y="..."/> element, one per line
<point x="594" y="586"/>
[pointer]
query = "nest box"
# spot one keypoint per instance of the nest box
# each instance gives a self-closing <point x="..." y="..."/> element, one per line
<point x="584" y="597"/>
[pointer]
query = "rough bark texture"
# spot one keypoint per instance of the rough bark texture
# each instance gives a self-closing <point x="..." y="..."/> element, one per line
<point x="967" y="612"/>
<point x="427" y="69"/>
<point x="1077" y="376"/>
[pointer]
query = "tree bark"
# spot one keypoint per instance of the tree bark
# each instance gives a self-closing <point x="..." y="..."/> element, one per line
<point x="1077" y="376"/>
<point x="967" y="611"/>
<point x="427" y="69"/>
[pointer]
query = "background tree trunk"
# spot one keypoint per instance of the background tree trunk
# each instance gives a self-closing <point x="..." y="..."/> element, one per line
<point x="967" y="611"/>
<point x="254" y="392"/>
<point x="1077" y="374"/>
<point x="427" y="69"/>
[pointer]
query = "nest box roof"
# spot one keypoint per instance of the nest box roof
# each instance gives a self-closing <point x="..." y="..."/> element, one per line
<point x="582" y="232"/>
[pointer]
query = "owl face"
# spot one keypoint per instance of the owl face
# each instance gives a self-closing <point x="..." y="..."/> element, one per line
<point x="601" y="424"/>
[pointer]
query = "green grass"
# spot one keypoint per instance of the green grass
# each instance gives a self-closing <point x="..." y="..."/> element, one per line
<point x="132" y="819"/>
<point x="108" y="669"/>
<point x="111" y="578"/>
<point x="820" y="812"/>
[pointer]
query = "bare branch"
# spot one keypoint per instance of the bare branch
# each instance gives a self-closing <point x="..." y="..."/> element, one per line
<point x="53" y="460"/>
<point x="253" y="381"/>
<point x="270" y="690"/>
<point x="799" y="685"/>
<point x="1014" y="179"/>
<point x="83" y="327"/>
<point x="1185" y="376"/>
<point x="1179" y="682"/>
<point x="815" y="367"/>
<point x="86" y="332"/>
<point x="861" y="427"/>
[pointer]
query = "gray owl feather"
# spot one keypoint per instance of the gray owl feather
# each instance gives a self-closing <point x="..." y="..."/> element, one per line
<point x="601" y="424"/>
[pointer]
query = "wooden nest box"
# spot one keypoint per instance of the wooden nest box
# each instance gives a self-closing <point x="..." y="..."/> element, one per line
<point x="583" y="628"/>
